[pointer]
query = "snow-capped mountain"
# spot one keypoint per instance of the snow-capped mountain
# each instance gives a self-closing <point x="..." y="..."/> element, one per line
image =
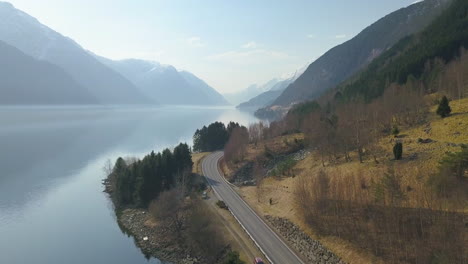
<point x="165" y="84"/>
<point x="27" y="34"/>
<point x="106" y="81"/>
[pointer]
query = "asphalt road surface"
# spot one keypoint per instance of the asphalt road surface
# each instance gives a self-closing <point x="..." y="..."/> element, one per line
<point x="266" y="239"/>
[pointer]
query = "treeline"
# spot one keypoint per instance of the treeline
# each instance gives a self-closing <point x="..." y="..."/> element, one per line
<point x="136" y="183"/>
<point x="214" y="137"/>
<point x="414" y="56"/>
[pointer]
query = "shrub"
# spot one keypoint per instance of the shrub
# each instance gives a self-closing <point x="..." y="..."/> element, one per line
<point x="444" y="109"/>
<point x="222" y="205"/>
<point x="233" y="258"/>
<point x="398" y="151"/>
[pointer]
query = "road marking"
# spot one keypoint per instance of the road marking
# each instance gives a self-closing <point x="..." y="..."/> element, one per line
<point x="236" y="195"/>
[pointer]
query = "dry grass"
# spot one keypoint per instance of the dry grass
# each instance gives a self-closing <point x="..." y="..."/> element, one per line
<point x="424" y="161"/>
<point x="281" y="192"/>
<point x="196" y="159"/>
<point x="231" y="230"/>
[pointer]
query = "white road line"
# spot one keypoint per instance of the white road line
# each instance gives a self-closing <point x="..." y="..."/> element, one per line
<point x="237" y="197"/>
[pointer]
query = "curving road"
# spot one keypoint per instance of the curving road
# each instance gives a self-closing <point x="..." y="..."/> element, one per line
<point x="266" y="239"/>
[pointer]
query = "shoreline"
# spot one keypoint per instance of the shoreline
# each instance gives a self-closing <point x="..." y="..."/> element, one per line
<point x="151" y="238"/>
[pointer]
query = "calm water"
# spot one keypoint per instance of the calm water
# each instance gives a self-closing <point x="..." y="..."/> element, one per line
<point x="52" y="208"/>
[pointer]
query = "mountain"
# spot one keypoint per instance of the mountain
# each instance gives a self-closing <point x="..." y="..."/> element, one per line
<point x="165" y="84"/>
<point x="344" y="60"/>
<point x="250" y="92"/>
<point x="414" y="58"/>
<point x="268" y="97"/>
<point x="214" y="97"/>
<point x="262" y="100"/>
<point x="27" y="34"/>
<point x="25" y="80"/>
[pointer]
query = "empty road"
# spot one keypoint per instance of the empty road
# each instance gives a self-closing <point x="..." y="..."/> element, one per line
<point x="271" y="245"/>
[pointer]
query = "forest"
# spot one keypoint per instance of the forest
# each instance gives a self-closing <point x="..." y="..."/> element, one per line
<point x="214" y="137"/>
<point x="417" y="56"/>
<point x="135" y="183"/>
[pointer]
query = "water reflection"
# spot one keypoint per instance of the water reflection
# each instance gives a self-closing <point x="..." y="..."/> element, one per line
<point x="51" y="200"/>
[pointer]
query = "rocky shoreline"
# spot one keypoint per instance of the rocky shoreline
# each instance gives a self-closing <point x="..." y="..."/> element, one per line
<point x="154" y="240"/>
<point x="312" y="249"/>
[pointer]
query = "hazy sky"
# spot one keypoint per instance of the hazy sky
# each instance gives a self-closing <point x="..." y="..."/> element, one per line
<point x="229" y="44"/>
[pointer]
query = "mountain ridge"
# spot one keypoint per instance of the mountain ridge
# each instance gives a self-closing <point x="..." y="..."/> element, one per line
<point x="344" y="60"/>
<point x="35" y="39"/>
<point x="52" y="85"/>
<point x="164" y="83"/>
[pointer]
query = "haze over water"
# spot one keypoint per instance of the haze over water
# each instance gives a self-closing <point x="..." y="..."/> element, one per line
<point x="52" y="208"/>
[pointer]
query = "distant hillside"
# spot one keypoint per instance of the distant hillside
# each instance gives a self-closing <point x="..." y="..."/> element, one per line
<point x="250" y="92"/>
<point x="24" y="32"/>
<point x="275" y="89"/>
<point x="164" y="84"/>
<point x="212" y="96"/>
<point x="25" y="80"/>
<point x="348" y="58"/>
<point x="261" y="100"/>
<point x="268" y="97"/>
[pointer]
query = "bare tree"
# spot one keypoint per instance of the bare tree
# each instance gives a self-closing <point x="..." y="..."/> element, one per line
<point x="203" y="234"/>
<point x="167" y="208"/>
<point x="236" y="147"/>
<point x="256" y="132"/>
<point x="108" y="167"/>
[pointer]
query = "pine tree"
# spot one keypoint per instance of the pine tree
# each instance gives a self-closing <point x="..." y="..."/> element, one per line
<point x="444" y="109"/>
<point x="398" y="151"/>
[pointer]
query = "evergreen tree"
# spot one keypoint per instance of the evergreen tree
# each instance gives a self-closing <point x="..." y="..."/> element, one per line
<point x="398" y="150"/>
<point x="136" y="185"/>
<point x="444" y="109"/>
<point x="168" y="170"/>
<point x="213" y="137"/>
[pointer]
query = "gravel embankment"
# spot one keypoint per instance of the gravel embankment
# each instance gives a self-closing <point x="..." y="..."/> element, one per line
<point x="153" y="240"/>
<point x="312" y="249"/>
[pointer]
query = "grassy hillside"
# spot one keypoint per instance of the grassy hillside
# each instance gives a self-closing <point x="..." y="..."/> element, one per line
<point x="353" y="191"/>
<point x="386" y="177"/>
<point x="420" y="160"/>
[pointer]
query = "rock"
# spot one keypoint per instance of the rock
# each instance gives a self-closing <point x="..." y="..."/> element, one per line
<point x="313" y="250"/>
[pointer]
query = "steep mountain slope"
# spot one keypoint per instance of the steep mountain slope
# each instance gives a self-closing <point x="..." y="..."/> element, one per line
<point x="35" y="39"/>
<point x="25" y="80"/>
<point x="413" y="57"/>
<point x="268" y="97"/>
<point x="277" y="87"/>
<point x="165" y="84"/>
<point x="213" y="97"/>
<point x="250" y="92"/>
<point x="346" y="59"/>
<point x="261" y="100"/>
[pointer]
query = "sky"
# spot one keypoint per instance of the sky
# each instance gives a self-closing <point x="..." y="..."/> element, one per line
<point x="229" y="44"/>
